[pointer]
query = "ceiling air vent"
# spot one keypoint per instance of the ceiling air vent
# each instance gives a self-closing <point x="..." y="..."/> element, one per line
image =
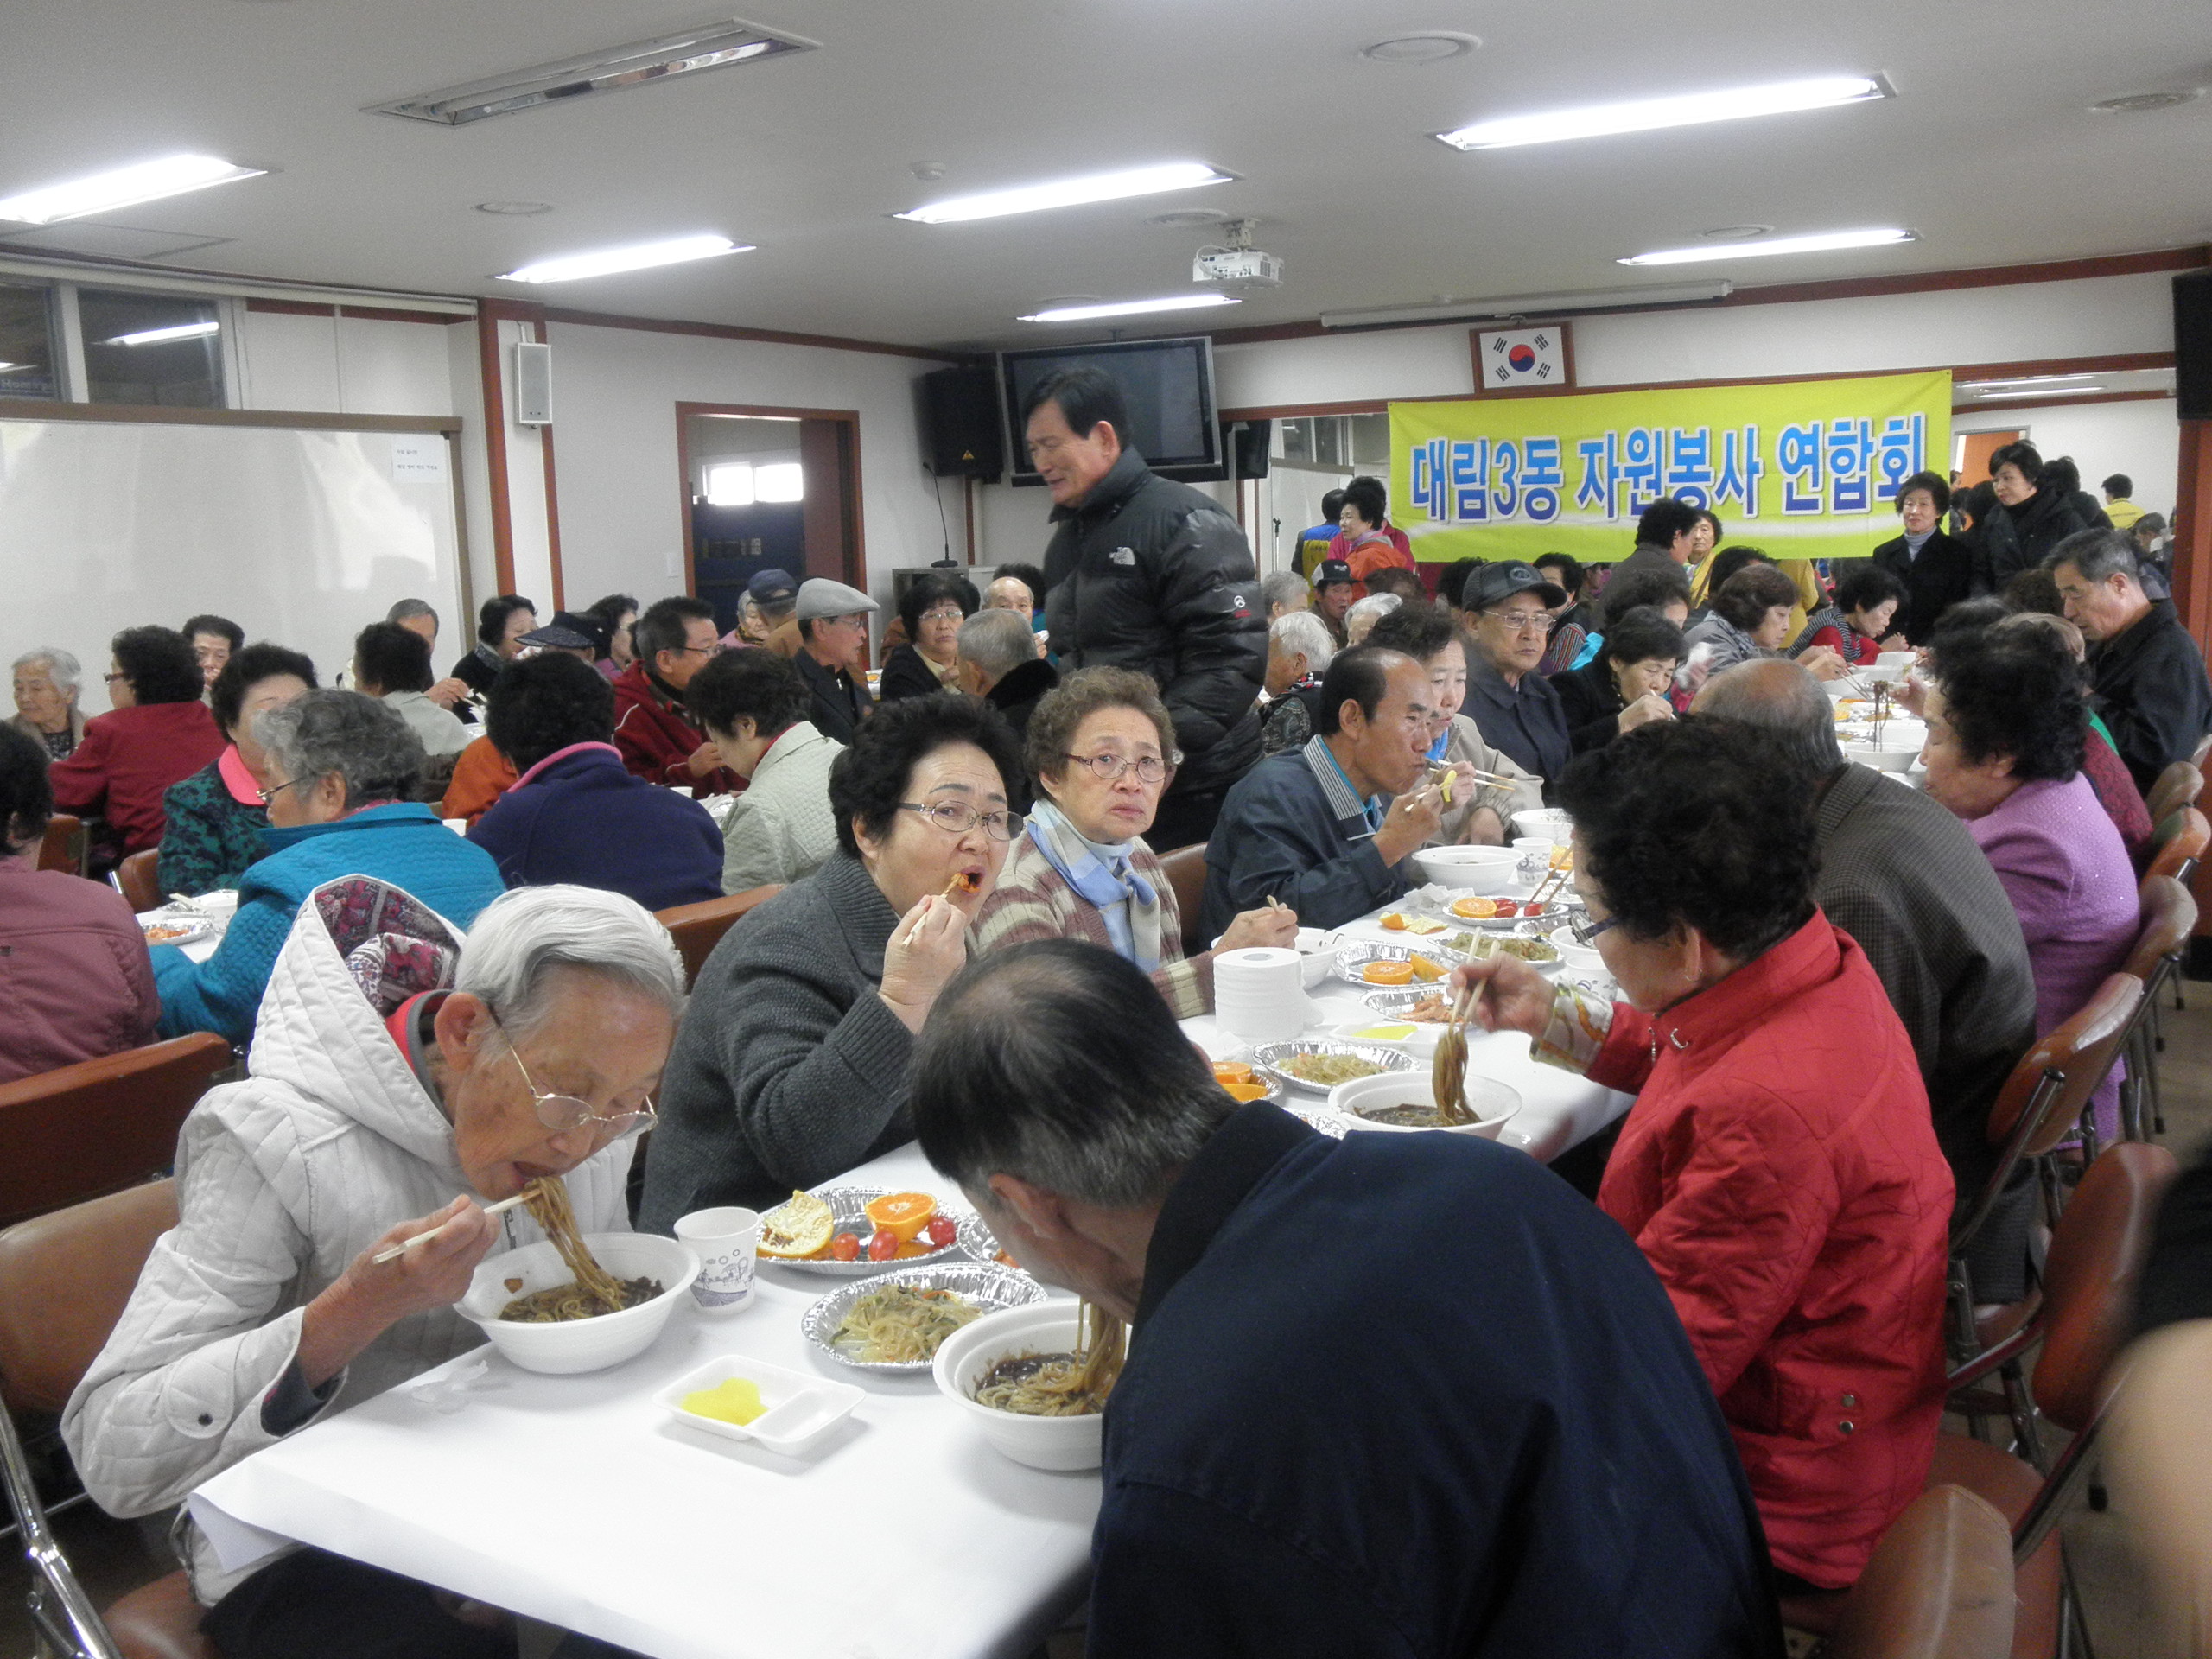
<point x="714" y="45"/>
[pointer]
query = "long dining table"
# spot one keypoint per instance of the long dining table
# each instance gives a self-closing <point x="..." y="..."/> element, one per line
<point x="577" y="1502"/>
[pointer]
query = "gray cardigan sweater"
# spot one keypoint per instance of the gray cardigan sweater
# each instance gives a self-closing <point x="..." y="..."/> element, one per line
<point x="789" y="1068"/>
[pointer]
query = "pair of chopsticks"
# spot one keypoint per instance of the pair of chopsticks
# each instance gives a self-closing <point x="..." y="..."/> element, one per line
<point x="1553" y="881"/>
<point x="401" y="1248"/>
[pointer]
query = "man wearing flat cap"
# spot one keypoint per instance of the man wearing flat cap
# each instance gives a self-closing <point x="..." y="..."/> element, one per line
<point x="1510" y="605"/>
<point x="832" y="637"/>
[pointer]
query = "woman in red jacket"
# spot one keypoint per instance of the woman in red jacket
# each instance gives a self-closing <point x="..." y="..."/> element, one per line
<point x="1779" y="1168"/>
<point x="159" y="733"/>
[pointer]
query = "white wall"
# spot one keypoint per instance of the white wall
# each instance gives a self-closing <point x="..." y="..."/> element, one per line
<point x="346" y="365"/>
<point x="2139" y="439"/>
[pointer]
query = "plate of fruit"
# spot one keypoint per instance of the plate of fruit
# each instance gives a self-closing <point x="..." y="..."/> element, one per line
<point x="848" y="1232"/>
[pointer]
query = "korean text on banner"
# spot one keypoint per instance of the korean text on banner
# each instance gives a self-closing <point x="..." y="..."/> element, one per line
<point x="1805" y="469"/>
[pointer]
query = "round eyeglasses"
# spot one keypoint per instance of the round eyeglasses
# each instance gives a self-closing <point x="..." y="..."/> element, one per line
<point x="565" y="1113"/>
<point x="1149" y="769"/>
<point x="957" y="819"/>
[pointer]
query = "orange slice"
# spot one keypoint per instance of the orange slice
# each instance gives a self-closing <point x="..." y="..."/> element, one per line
<point x="797" y="1229"/>
<point x="902" y="1214"/>
<point x="1477" y="909"/>
<point x="1247" y="1090"/>
<point x="1424" y="969"/>
<point x="1229" y="1071"/>
<point x="1388" y="973"/>
<point x="1393" y="923"/>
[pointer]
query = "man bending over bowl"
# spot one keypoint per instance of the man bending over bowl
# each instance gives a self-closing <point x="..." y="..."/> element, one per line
<point x="399" y="1071"/>
<point x="1395" y="1394"/>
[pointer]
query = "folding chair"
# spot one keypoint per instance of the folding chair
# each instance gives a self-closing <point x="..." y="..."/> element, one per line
<point x="2169" y="918"/>
<point x="697" y="929"/>
<point x="1939" y="1586"/>
<point x="137" y="879"/>
<point x="1185" y="870"/>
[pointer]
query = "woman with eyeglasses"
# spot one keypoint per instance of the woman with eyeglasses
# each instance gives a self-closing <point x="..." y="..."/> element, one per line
<point x="792" y="1067"/>
<point x="1102" y="747"/>
<point x="337" y="769"/>
<point x="932" y="609"/>
<point x="158" y="734"/>
<point x="406" y="1075"/>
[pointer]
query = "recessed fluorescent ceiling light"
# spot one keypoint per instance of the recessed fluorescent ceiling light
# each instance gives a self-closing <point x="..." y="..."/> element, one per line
<point x="124" y="186"/>
<point x="161" y="336"/>
<point x="2045" y="392"/>
<point x="640" y="255"/>
<point x="1686" y="110"/>
<point x="1069" y="193"/>
<point x="1129" y="308"/>
<point x="715" y="46"/>
<point x="1824" y="242"/>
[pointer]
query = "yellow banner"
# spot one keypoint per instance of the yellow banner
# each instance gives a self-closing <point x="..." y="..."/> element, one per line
<point x="1808" y="470"/>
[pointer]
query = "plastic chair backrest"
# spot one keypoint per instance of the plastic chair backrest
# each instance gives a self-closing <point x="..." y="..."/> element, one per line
<point x="2180" y="840"/>
<point x="2082" y="1050"/>
<point x="2177" y="786"/>
<point x="1939" y="1585"/>
<point x="1185" y="870"/>
<point x="697" y="929"/>
<point x="63" y="848"/>
<point x="82" y="1130"/>
<point x="2088" y="1279"/>
<point x="64" y="1280"/>
<point x="2169" y="918"/>
<point x="139" y="879"/>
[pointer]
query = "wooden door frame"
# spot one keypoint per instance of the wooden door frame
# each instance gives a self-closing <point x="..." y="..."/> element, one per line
<point x="856" y="574"/>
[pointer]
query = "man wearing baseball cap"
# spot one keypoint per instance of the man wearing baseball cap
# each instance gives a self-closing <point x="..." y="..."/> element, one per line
<point x="1334" y="593"/>
<point x="833" y="640"/>
<point x="585" y="637"/>
<point x="1513" y="707"/>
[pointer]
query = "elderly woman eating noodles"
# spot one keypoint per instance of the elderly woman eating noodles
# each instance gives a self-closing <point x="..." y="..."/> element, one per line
<point x="1779" y="1168"/>
<point x="1103" y="747"/>
<point x="405" y="1075"/>
<point x="793" y="1067"/>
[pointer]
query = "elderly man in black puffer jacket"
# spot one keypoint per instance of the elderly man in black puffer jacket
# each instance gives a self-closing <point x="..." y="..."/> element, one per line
<point x="1153" y="575"/>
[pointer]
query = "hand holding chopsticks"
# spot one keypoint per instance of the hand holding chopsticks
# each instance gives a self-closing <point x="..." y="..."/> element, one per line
<point x="405" y="1245"/>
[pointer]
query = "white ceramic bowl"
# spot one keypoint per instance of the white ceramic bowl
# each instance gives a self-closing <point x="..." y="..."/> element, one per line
<point x="1888" y="673"/>
<point x="1046" y="1327"/>
<point x="1492" y="1103"/>
<point x="1897" y="658"/>
<point x="580" y="1344"/>
<point x="1888" y="757"/>
<point x="1582" y="958"/>
<point x="1470" y="869"/>
<point x="1547" y="821"/>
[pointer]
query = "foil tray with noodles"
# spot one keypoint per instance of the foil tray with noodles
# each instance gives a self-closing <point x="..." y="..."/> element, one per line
<point x="984" y="1286"/>
<point x="1330" y="1062"/>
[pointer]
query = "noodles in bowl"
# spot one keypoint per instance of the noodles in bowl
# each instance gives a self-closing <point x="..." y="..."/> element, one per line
<point x="599" y="1337"/>
<point x="1018" y="1375"/>
<point x="594" y="1291"/>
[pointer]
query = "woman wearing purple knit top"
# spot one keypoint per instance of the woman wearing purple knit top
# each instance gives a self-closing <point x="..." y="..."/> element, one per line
<point x="2004" y="739"/>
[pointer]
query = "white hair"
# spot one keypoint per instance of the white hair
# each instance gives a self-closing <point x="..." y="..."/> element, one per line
<point x="522" y="934"/>
<point x="1366" y="612"/>
<point x="997" y="642"/>
<point x="1304" y="633"/>
<point x="64" y="669"/>
<point x="1283" y="588"/>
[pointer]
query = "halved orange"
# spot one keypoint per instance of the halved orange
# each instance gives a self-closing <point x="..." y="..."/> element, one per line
<point x="1246" y="1091"/>
<point x="1228" y="1071"/>
<point x="1475" y="909"/>
<point x="797" y="1229"/>
<point x="901" y="1214"/>
<point x="1393" y="923"/>
<point x="1388" y="973"/>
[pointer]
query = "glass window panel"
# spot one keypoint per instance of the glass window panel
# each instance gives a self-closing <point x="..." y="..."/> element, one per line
<point x="27" y="342"/>
<point x="1329" y="446"/>
<point x="729" y="484"/>
<point x="1297" y="440"/>
<point x="780" y="480"/>
<point x="1370" y="440"/>
<point x="152" y="348"/>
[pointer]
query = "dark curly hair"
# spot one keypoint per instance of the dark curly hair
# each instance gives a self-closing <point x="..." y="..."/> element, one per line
<point x="1643" y="635"/>
<point x="2016" y="692"/>
<point x="1565" y="568"/>
<point x="160" y="663"/>
<point x="1865" y="587"/>
<point x="1728" y="560"/>
<point x="1652" y="587"/>
<point x="492" y="617"/>
<point x="869" y="780"/>
<point x="1962" y="621"/>
<point x="1695" y="822"/>
<point x="391" y="658"/>
<point x="1746" y="597"/>
<point x="2035" y="589"/>
<point x="263" y="661"/>
<point x="542" y="704"/>
<point x="1418" y="630"/>
<point x="755" y="685"/>
<point x="1081" y="695"/>
<point x="221" y="626"/>
<point x="926" y="592"/>
<point x="26" y="792"/>
<point x="1664" y="520"/>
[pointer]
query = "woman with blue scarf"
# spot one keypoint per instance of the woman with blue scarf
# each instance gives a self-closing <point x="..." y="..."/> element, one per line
<point x="1102" y="749"/>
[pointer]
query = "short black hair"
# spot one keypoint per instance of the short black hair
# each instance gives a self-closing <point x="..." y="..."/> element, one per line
<point x="540" y="705"/>
<point x="662" y="625"/>
<point x="925" y="591"/>
<point x="1367" y="497"/>
<point x="1663" y="520"/>
<point x="1728" y="560"/>
<point x="263" y="661"/>
<point x="2024" y="456"/>
<point x="611" y="609"/>
<point x="1865" y="587"/>
<point x="391" y="658"/>
<point x="1713" y="519"/>
<point x="1418" y="630"/>
<point x="1745" y="598"/>
<point x="1651" y="587"/>
<point x="1568" y="567"/>
<point x="1452" y="586"/>
<point x="2060" y="476"/>
<point x="1697" y="822"/>
<point x="1938" y="488"/>
<point x="1028" y="575"/>
<point x="1960" y="621"/>
<point x="2016" y="692"/>
<point x="160" y="665"/>
<point x="1977" y="501"/>
<point x="1642" y="635"/>
<point x="492" y="619"/>
<point x="2035" y="589"/>
<point x="2120" y="484"/>
<point x="871" y="777"/>
<point x="1086" y="395"/>
<point x="755" y="685"/>
<point x="26" y="792"/>
<point x="1361" y="674"/>
<point x="1332" y="505"/>
<point x="218" y="625"/>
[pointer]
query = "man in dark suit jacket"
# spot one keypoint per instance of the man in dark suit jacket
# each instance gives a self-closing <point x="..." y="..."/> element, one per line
<point x="2146" y="673"/>
<point x="832" y="637"/>
<point x="1936" y="569"/>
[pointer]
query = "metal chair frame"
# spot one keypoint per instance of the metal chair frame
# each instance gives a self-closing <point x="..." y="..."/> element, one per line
<point x="61" y="1611"/>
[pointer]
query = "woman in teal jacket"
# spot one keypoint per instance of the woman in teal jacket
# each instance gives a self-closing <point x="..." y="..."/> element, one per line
<point x="339" y="767"/>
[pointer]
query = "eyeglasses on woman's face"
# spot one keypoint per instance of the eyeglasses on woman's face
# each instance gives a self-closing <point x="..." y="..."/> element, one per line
<point x="563" y="1114"/>
<point x="957" y="819"/>
<point x="270" y="794"/>
<point x="1109" y="767"/>
<point x="943" y="613"/>
<point x="1586" y="930"/>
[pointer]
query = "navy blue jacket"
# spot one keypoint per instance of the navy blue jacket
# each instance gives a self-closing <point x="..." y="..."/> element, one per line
<point x="1292" y="827"/>
<point x="579" y="816"/>
<point x="1526" y="723"/>
<point x="1409" y="1395"/>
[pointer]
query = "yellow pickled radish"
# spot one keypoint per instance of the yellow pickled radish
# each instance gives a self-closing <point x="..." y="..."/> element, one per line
<point x="733" y="1399"/>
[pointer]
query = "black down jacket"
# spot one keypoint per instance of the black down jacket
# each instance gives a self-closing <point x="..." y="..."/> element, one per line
<point x="1153" y="575"/>
<point x="2014" y="539"/>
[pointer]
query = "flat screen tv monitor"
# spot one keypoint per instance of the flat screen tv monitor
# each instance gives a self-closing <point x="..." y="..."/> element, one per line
<point x="1168" y="384"/>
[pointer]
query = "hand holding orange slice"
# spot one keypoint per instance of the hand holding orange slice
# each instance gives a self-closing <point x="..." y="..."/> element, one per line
<point x="901" y="1214"/>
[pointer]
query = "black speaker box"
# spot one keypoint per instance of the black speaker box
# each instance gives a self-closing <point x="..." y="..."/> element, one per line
<point x="959" y="425"/>
<point x="2193" y="344"/>
<point x="1253" y="440"/>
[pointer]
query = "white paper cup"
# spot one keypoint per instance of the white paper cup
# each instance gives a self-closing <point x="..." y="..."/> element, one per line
<point x="727" y="1240"/>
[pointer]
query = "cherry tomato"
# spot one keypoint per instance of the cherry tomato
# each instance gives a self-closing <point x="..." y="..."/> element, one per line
<point x="882" y="1247"/>
<point x="1506" y="907"/>
<point x="1535" y="910"/>
<point x="940" y="1232"/>
<point x="846" y="1247"/>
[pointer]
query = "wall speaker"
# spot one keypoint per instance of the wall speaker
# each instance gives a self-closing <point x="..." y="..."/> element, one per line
<point x="2193" y="344"/>
<point x="1254" y="439"/>
<point x="533" y="384"/>
<point x="960" y="423"/>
